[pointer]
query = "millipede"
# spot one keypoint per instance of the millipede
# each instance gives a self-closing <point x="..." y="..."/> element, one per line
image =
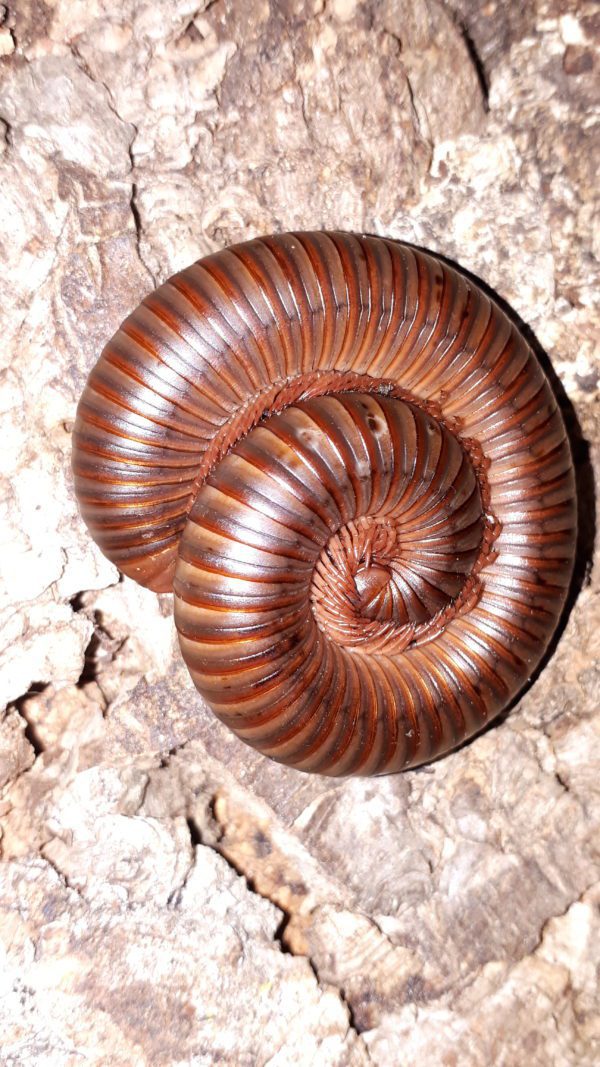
<point x="347" y="463"/>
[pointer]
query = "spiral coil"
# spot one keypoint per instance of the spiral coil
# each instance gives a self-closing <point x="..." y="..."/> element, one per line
<point x="349" y="466"/>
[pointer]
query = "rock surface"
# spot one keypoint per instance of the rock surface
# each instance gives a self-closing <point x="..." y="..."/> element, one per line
<point x="167" y="896"/>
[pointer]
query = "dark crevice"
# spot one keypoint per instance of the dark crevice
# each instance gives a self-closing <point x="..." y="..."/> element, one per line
<point x="30" y="731"/>
<point x="251" y="884"/>
<point x="31" y="735"/>
<point x="340" y="990"/>
<point x="6" y="131"/>
<point x="101" y="646"/>
<point x="83" y="66"/>
<point x="562" y="782"/>
<point x="194" y="829"/>
<point x="477" y="63"/>
<point x="165" y="760"/>
<point x="60" y="873"/>
<point x="354" y="1025"/>
<point x="90" y="661"/>
<point x="192" y="33"/>
<point x="137" y="223"/>
<point x="135" y="212"/>
<point x="77" y="602"/>
<point x="279" y="934"/>
<point x="279" y="937"/>
<point x="473" y="53"/>
<point x="284" y="947"/>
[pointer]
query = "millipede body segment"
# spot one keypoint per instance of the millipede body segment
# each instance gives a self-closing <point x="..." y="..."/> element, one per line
<point x="348" y="465"/>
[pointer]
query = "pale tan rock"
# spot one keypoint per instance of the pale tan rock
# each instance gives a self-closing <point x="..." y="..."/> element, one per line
<point x="137" y="984"/>
<point x="167" y="896"/>
<point x="45" y="641"/>
<point x="16" y="752"/>
<point x="7" y="44"/>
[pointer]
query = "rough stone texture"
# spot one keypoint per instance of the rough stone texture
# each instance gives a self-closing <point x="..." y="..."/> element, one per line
<point x="167" y="896"/>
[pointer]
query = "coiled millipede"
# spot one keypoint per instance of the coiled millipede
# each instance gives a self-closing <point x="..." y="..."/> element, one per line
<point x="348" y="465"/>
